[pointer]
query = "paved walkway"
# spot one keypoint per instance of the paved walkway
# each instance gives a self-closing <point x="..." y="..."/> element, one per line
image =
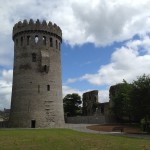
<point x="82" y="128"/>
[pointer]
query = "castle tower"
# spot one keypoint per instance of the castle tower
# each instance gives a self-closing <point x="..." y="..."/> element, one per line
<point x="37" y="88"/>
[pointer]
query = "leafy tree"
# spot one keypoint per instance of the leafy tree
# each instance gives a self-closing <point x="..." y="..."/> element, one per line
<point x="141" y="98"/>
<point x="132" y="100"/>
<point x="122" y="102"/>
<point x="71" y="104"/>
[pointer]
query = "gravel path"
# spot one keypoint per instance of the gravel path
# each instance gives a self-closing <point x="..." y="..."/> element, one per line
<point x="82" y="128"/>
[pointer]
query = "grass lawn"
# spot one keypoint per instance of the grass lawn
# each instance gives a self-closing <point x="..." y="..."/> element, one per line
<point x="66" y="139"/>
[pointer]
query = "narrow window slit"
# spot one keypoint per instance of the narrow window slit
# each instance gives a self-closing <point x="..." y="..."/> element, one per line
<point x="48" y="87"/>
<point x="28" y="40"/>
<point x="21" y="41"/>
<point x="56" y="44"/>
<point x="51" y="42"/>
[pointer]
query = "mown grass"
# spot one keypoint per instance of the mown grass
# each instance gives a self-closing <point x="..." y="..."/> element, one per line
<point x="65" y="139"/>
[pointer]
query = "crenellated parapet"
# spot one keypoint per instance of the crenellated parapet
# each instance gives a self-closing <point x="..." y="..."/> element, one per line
<point x="32" y="26"/>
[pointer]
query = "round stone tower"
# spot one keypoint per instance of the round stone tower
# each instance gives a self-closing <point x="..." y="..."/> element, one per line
<point x="37" y="87"/>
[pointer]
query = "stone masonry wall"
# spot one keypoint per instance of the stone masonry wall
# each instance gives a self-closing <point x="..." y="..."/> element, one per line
<point x="89" y="100"/>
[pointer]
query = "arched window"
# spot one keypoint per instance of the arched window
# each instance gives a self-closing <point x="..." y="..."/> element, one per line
<point x="33" y="57"/>
<point x="44" y="40"/>
<point x="56" y="44"/>
<point x="36" y="39"/>
<point x="51" y="42"/>
<point x="21" y="41"/>
<point x="48" y="87"/>
<point x="28" y="40"/>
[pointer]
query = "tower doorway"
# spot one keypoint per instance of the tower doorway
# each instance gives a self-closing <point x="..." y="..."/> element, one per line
<point x="33" y="123"/>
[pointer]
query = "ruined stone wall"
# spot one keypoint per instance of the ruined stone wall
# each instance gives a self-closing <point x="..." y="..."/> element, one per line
<point x="112" y="93"/>
<point x="37" y="86"/>
<point x="89" y="100"/>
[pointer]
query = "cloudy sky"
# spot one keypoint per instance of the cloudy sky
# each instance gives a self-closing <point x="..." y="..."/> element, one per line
<point x="104" y="41"/>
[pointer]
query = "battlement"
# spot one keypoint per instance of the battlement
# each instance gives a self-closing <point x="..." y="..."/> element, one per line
<point x="36" y="26"/>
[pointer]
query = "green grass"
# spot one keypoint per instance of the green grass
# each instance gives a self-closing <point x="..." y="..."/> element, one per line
<point x="65" y="139"/>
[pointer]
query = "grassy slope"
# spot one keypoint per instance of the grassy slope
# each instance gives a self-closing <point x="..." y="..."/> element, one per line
<point x="65" y="139"/>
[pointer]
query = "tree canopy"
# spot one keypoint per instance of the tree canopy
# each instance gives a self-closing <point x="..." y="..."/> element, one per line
<point x="132" y="101"/>
<point x="121" y="100"/>
<point x="141" y="97"/>
<point x="71" y="104"/>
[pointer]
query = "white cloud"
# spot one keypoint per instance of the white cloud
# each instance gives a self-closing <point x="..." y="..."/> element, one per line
<point x="68" y="90"/>
<point x="6" y="51"/>
<point x="103" y="22"/>
<point x="7" y="75"/>
<point x="5" y="88"/>
<point x="127" y="63"/>
<point x="99" y="22"/>
<point x="140" y="45"/>
<point x="103" y="96"/>
<point x="72" y="80"/>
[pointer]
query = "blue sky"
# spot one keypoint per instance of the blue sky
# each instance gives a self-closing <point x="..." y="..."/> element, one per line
<point x="104" y="41"/>
<point x="80" y="60"/>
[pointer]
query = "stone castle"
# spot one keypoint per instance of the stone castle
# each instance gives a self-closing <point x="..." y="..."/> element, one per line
<point x="37" y="86"/>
